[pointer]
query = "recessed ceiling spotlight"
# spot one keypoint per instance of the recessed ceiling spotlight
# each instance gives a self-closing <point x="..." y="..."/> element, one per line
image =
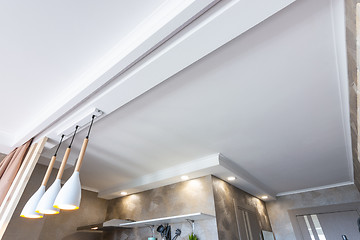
<point x="184" y="178"/>
<point x="264" y="197"/>
<point x="231" y="178"/>
<point x="94" y="228"/>
<point x="124" y="193"/>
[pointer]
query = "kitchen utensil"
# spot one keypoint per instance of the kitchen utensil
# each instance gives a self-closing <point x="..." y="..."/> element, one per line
<point x="177" y="234"/>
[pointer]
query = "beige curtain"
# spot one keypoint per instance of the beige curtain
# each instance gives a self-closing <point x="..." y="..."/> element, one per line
<point x="9" y="166"/>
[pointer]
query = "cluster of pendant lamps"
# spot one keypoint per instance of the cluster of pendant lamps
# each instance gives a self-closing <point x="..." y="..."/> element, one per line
<point x="56" y="198"/>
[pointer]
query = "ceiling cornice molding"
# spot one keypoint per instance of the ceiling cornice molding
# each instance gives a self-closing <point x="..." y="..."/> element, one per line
<point x="195" y="169"/>
<point x="250" y="184"/>
<point x="315" y="188"/>
<point x="216" y="165"/>
<point x="339" y="31"/>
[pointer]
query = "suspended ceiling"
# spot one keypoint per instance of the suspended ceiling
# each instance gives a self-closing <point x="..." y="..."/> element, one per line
<point x="267" y="91"/>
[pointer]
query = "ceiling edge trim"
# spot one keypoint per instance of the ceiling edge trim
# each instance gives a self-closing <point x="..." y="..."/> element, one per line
<point x="193" y="169"/>
<point x="215" y="164"/>
<point x="247" y="177"/>
<point x="315" y="188"/>
<point x="339" y="33"/>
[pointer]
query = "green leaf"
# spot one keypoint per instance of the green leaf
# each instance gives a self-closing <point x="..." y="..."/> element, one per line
<point x="192" y="236"/>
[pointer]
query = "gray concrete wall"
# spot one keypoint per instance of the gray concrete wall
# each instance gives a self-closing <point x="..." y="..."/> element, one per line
<point x="58" y="227"/>
<point x="278" y="210"/>
<point x="177" y="199"/>
<point x="225" y="195"/>
<point x="353" y="66"/>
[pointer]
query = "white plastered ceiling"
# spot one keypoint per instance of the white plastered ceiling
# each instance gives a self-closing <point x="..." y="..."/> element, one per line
<point x="263" y="98"/>
<point x="46" y="47"/>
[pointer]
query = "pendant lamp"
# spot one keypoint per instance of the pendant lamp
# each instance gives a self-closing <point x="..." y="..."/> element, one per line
<point x="30" y="207"/>
<point x="69" y="196"/>
<point x="45" y="205"/>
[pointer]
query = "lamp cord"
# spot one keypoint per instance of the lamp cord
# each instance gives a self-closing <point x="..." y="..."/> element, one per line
<point x="59" y="145"/>
<point x="92" y="121"/>
<point x="76" y="128"/>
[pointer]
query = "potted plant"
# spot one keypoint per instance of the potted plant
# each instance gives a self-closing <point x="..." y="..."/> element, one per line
<point x="192" y="236"/>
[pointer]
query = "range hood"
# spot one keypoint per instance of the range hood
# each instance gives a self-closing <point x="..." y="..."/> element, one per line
<point x="108" y="225"/>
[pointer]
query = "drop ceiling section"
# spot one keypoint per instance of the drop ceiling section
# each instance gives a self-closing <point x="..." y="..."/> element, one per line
<point x="272" y="101"/>
<point x="269" y="101"/>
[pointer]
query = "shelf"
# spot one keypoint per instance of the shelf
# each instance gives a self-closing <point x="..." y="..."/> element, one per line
<point x="169" y="220"/>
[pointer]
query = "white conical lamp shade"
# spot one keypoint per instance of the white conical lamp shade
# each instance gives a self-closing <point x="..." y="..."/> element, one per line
<point x="46" y="203"/>
<point x="70" y="194"/>
<point x="30" y="207"/>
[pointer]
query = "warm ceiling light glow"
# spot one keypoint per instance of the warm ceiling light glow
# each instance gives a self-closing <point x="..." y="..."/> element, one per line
<point x="231" y="178"/>
<point x="95" y="228"/>
<point x="264" y="197"/>
<point x="31" y="216"/>
<point x="184" y="178"/>
<point x="51" y="212"/>
<point x="66" y="207"/>
<point x="123" y="193"/>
